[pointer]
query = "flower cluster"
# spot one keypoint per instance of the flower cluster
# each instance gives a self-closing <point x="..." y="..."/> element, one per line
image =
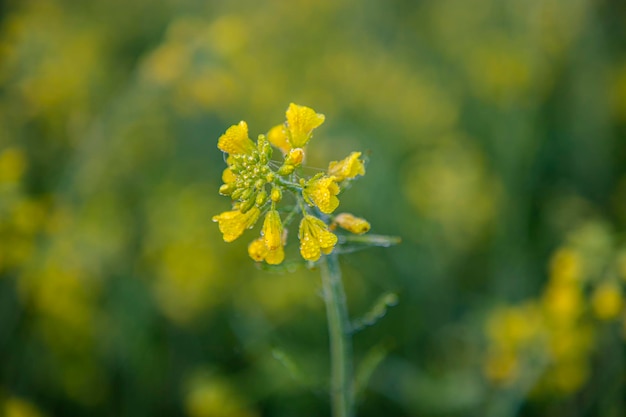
<point x="554" y="337"/>
<point x="258" y="185"/>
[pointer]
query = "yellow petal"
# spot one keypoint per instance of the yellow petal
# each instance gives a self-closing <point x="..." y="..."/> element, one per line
<point x="278" y="137"/>
<point x="347" y="168"/>
<point x="228" y="177"/>
<point x="235" y="140"/>
<point x="309" y="246"/>
<point x="275" y="256"/>
<point x="257" y="249"/>
<point x="328" y="250"/>
<point x="322" y="192"/>
<point x="327" y="241"/>
<point x="260" y="252"/>
<point x="233" y="223"/>
<point x="272" y="230"/>
<point x="301" y="121"/>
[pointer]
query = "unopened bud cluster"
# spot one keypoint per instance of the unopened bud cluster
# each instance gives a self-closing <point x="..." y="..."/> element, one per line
<point x="249" y="176"/>
<point x="256" y="184"/>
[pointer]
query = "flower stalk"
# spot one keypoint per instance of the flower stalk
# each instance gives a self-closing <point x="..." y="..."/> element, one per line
<point x="340" y="339"/>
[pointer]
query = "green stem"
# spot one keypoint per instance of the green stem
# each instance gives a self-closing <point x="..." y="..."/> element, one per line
<point x="342" y="395"/>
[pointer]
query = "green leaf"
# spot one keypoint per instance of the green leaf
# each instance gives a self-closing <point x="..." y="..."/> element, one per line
<point x="366" y="369"/>
<point x="378" y="311"/>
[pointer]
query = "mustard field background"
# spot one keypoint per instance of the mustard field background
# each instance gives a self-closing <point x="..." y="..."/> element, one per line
<point x="496" y="137"/>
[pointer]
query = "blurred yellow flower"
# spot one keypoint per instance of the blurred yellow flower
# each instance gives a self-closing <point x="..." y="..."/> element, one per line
<point x="16" y="407"/>
<point x="607" y="301"/>
<point x="321" y="191"/>
<point x="347" y="168"/>
<point x="12" y="165"/>
<point x="351" y="223"/>
<point x="516" y="326"/>
<point x="566" y="266"/>
<point x="315" y="238"/>
<point x="235" y="140"/>
<point x="211" y="397"/>
<point x="233" y="223"/>
<point x="301" y="121"/>
<point x="563" y="302"/>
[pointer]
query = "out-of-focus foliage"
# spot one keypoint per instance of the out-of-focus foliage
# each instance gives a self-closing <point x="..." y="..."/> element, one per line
<point x="495" y="134"/>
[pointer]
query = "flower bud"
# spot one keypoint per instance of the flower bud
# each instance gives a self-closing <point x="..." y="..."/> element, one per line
<point x="276" y="195"/>
<point x="352" y="223"/>
<point x="286" y="170"/>
<point x="261" y="198"/>
<point x="226" y="189"/>
<point x="295" y="157"/>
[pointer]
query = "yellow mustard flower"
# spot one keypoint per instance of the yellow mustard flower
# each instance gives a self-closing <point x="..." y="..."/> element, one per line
<point x="301" y="121"/>
<point x="272" y="230"/>
<point x="563" y="303"/>
<point x="322" y="191"/>
<point x="233" y="223"/>
<point x="315" y="238"/>
<point x="277" y="136"/>
<point x="259" y="251"/>
<point x="348" y="168"/>
<point x="351" y="223"/>
<point x="235" y="140"/>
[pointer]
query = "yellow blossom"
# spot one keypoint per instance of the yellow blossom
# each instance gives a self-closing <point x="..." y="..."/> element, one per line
<point x="566" y="266"/>
<point x="272" y="230"/>
<point x="321" y="191"/>
<point x="348" y="168"/>
<point x="259" y="251"/>
<point x="301" y="121"/>
<point x="315" y="238"/>
<point x="563" y="303"/>
<point x="278" y="137"/>
<point x="235" y="140"/>
<point x="607" y="301"/>
<point x="12" y="165"/>
<point x="233" y="223"/>
<point x="352" y="223"/>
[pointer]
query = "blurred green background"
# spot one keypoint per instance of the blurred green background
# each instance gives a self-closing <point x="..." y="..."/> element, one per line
<point x="496" y="136"/>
